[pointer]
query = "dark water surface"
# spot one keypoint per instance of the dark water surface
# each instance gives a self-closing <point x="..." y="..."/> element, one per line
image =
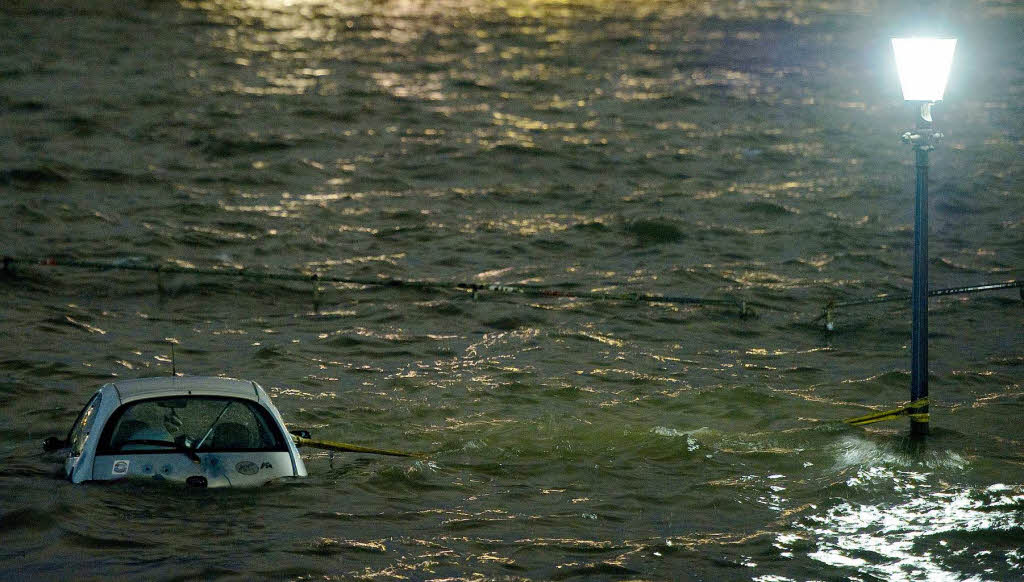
<point x="742" y="150"/>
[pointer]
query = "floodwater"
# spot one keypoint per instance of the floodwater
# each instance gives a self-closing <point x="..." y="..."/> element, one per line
<point x="745" y="150"/>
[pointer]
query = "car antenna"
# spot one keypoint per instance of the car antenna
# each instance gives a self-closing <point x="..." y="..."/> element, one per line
<point x="172" y="341"/>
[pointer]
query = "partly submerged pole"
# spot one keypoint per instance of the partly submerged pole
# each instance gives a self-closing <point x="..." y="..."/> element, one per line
<point x="923" y="139"/>
<point x="919" y="294"/>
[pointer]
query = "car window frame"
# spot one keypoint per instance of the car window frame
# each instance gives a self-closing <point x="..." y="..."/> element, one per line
<point x="93" y="404"/>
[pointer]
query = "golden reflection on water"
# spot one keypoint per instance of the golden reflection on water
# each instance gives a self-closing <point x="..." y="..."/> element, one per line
<point x="506" y="80"/>
<point x="795" y="11"/>
<point x="299" y="46"/>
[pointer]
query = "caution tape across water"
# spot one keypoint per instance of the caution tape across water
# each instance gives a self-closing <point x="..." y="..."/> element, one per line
<point x="915" y="410"/>
<point x="303" y="441"/>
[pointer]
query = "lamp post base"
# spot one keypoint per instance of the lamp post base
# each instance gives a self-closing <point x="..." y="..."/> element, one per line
<point x="918" y="428"/>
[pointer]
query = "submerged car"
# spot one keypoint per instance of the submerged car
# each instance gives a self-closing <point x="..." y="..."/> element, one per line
<point x="198" y="431"/>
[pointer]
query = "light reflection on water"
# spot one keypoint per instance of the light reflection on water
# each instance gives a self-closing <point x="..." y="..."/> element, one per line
<point x="888" y="540"/>
<point x="923" y="527"/>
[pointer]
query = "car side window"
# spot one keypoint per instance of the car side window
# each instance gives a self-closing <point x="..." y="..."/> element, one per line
<point x="83" y="426"/>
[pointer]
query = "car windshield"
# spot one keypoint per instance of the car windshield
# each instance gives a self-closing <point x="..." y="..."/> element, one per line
<point x="199" y="424"/>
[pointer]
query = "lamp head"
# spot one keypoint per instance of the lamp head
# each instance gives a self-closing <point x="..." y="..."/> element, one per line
<point x="923" y="65"/>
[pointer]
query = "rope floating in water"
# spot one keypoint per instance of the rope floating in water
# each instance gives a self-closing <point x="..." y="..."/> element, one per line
<point x="884" y="298"/>
<point x="828" y="313"/>
<point x="316" y="278"/>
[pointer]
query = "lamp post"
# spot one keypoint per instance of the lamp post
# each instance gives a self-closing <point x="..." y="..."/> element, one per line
<point x="923" y="65"/>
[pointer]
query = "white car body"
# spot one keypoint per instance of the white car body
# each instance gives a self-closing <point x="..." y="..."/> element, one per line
<point x="246" y="442"/>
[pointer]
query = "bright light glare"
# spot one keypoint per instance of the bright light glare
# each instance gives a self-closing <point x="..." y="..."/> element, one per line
<point x="923" y="65"/>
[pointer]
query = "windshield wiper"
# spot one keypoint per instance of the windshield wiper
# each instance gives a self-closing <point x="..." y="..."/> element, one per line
<point x="209" y="431"/>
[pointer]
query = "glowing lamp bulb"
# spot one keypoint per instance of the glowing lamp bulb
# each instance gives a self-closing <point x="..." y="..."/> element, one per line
<point x="923" y="65"/>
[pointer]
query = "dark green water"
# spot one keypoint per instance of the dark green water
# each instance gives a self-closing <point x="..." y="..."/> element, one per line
<point x="742" y="150"/>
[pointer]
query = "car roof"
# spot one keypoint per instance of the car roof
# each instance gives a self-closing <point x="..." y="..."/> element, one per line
<point x="162" y="386"/>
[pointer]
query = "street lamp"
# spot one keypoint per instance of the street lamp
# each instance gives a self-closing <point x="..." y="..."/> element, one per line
<point x="923" y="65"/>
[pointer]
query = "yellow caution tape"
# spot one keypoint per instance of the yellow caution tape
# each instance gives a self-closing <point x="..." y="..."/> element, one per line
<point x="893" y="414"/>
<point x="346" y="447"/>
